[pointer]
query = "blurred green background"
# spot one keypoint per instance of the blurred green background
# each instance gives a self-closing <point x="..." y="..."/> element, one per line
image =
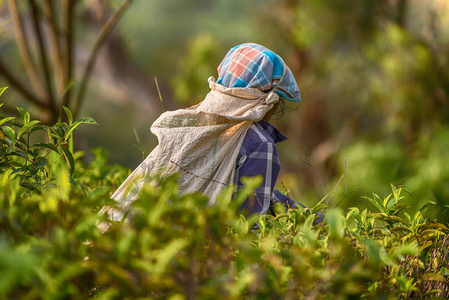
<point x="373" y="76"/>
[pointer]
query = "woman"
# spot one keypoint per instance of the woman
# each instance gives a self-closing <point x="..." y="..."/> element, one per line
<point x="225" y="137"/>
<point x="254" y="66"/>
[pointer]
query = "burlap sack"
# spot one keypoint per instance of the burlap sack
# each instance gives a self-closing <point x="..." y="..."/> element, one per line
<point x="201" y="143"/>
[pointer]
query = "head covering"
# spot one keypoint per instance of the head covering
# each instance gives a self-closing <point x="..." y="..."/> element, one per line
<point x="252" y="65"/>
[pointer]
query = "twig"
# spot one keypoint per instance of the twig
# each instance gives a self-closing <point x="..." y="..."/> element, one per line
<point x="99" y="42"/>
<point x="43" y="54"/>
<point x="20" y="86"/>
<point x="24" y="50"/>
<point x="285" y="188"/>
<point x="49" y="12"/>
<point x="99" y="8"/>
<point x="68" y="10"/>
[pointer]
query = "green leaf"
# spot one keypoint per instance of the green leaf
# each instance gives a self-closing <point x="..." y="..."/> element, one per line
<point x="427" y="204"/>
<point x="1" y="92"/>
<point x="4" y="120"/>
<point x="58" y="130"/>
<point x="31" y="186"/>
<point x="404" y="249"/>
<point x="433" y="226"/>
<point x="397" y="219"/>
<point x="6" y="142"/>
<point x="73" y="126"/>
<point x="385" y="203"/>
<point x="26" y="127"/>
<point x="40" y="163"/>
<point x="71" y="129"/>
<point x="40" y="127"/>
<point x="48" y="146"/>
<point x="385" y="258"/>
<point x="69" y="114"/>
<point x="428" y="244"/>
<point x="24" y="115"/>
<point x="56" y="137"/>
<point x="87" y="120"/>
<point x="336" y="222"/>
<point x="428" y="233"/>
<point x="99" y="192"/>
<point x="433" y="277"/>
<point x="69" y="158"/>
<point x="399" y="207"/>
<point x="20" y="153"/>
<point x="372" y="251"/>
<point x="167" y="254"/>
<point x="374" y="202"/>
<point x="400" y="228"/>
<point x="10" y="133"/>
<point x="318" y="206"/>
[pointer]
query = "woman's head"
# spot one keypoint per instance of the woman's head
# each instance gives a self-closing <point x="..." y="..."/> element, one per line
<point x="254" y="66"/>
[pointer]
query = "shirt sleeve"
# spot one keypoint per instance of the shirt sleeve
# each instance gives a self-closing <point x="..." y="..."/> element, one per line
<point x="263" y="160"/>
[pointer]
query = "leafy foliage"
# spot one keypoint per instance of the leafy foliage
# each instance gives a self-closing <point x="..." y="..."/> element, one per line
<point x="178" y="247"/>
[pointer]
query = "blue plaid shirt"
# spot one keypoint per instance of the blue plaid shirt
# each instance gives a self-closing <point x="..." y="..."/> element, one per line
<point x="258" y="156"/>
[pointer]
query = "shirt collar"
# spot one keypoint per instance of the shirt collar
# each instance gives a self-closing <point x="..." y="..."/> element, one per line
<point x="272" y="131"/>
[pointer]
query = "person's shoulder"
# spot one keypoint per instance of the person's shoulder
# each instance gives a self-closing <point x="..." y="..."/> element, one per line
<point x="257" y="134"/>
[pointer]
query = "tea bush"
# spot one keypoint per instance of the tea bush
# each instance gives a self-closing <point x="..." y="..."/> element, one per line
<point x="178" y="247"/>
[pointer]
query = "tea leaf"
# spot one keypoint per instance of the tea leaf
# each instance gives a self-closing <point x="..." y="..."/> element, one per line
<point x="26" y="127"/>
<point x="21" y="154"/>
<point x="433" y="277"/>
<point x="427" y="204"/>
<point x="87" y="120"/>
<point x="10" y="133"/>
<point x="336" y="223"/>
<point x="4" y="120"/>
<point x="69" y="158"/>
<point x="24" y="115"/>
<point x="376" y="202"/>
<point x="69" y="114"/>
<point x="2" y="90"/>
<point x="48" y="146"/>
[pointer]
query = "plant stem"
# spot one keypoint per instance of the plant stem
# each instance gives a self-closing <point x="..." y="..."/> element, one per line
<point x="43" y="55"/>
<point x="24" y="50"/>
<point x="93" y="57"/>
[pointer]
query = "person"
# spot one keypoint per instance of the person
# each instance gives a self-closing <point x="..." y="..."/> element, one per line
<point x="255" y="66"/>
<point x="225" y="137"/>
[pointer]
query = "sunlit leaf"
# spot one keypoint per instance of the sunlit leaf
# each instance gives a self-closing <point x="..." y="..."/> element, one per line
<point x="376" y="202"/>
<point x="69" y="114"/>
<point x="2" y="90"/>
<point x="427" y="204"/>
<point x="47" y="145"/>
<point x="21" y="154"/>
<point x="5" y="120"/>
<point x="434" y="225"/>
<point x="167" y="254"/>
<point x="373" y="252"/>
<point x="69" y="159"/>
<point x="10" y="133"/>
<point x="24" y="115"/>
<point x="433" y="277"/>
<point x="335" y="222"/>
<point x="86" y="120"/>
<point x="26" y="127"/>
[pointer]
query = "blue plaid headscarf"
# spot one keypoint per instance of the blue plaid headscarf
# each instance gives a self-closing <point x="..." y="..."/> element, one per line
<point x="254" y="66"/>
